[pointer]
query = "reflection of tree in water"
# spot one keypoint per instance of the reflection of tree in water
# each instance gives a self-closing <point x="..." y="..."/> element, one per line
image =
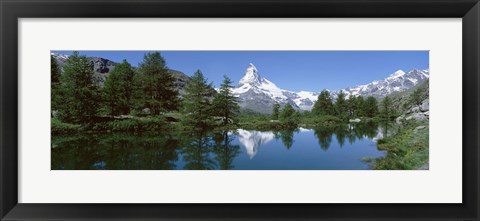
<point x="76" y="152"/>
<point x="117" y="151"/>
<point x="341" y="133"/>
<point x="146" y="153"/>
<point x="287" y="137"/>
<point x="386" y="127"/>
<point x="196" y="151"/>
<point x="324" y="136"/>
<point x="224" y="151"/>
<point x="352" y="132"/>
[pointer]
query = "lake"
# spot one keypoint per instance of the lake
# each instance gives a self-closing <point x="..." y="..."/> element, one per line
<point x="341" y="148"/>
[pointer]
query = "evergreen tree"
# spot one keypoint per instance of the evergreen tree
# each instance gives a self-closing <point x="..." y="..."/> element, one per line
<point x="387" y="110"/>
<point x="79" y="92"/>
<point x="341" y="108"/>
<point x="352" y="106"/>
<point x="55" y="71"/>
<point x="416" y="97"/>
<point x="370" y="107"/>
<point x="324" y="104"/>
<point x="155" y="85"/>
<point x="119" y="88"/>
<point x="225" y="103"/>
<point x="359" y="106"/>
<point x="289" y="116"/>
<point x="275" y="111"/>
<point x="196" y="102"/>
<point x="55" y="95"/>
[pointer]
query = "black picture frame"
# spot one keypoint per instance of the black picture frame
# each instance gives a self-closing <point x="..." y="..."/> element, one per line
<point x="12" y="10"/>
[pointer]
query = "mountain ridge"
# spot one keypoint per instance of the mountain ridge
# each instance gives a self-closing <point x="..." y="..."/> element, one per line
<point x="259" y="94"/>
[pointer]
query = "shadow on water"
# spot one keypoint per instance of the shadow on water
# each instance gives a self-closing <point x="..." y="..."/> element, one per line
<point x="224" y="150"/>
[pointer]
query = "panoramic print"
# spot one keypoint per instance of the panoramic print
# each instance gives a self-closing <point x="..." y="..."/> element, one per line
<point x="239" y="110"/>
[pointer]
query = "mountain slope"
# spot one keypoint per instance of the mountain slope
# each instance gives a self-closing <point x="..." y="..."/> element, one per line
<point x="103" y="67"/>
<point x="396" y="82"/>
<point x="259" y="94"/>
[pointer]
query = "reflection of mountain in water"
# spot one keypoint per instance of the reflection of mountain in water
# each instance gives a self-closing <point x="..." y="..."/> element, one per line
<point x="252" y="140"/>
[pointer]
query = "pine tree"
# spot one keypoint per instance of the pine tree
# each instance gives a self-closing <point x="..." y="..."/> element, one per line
<point x="416" y="97"/>
<point x="370" y="107"/>
<point x="289" y="116"/>
<point x="54" y="70"/>
<point x="196" y="102"/>
<point x="225" y="103"/>
<point x="118" y="89"/>
<point x="359" y="106"/>
<point x="352" y="106"/>
<point x="324" y="104"/>
<point x="55" y="95"/>
<point x="79" y="92"/>
<point x="275" y="111"/>
<point x="155" y="85"/>
<point x="387" y="110"/>
<point x="341" y="108"/>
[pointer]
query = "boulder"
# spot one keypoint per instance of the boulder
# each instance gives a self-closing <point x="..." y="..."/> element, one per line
<point x="418" y="128"/>
<point x="425" y="105"/>
<point x="417" y="116"/>
<point x="414" y="109"/>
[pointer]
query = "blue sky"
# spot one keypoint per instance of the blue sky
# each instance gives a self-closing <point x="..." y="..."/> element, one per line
<point x="290" y="70"/>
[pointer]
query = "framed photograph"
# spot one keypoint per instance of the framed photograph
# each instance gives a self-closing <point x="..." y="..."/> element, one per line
<point x="318" y="110"/>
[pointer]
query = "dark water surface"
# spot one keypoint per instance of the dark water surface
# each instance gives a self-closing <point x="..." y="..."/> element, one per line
<point x="340" y="148"/>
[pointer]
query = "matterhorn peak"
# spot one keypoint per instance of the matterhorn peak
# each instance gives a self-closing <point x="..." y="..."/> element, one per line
<point x="251" y="76"/>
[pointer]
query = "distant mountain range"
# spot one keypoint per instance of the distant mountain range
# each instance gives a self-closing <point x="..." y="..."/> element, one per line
<point x="258" y="94"/>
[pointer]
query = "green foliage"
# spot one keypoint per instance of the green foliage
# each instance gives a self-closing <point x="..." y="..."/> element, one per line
<point x="225" y="103"/>
<point x="118" y="90"/>
<point x="58" y="127"/>
<point x="387" y="110"/>
<point x="134" y="125"/>
<point x="275" y="111"/>
<point x="289" y="116"/>
<point x="54" y="82"/>
<point x="370" y="107"/>
<point x="341" y="106"/>
<point x="155" y="86"/>
<point x="324" y="104"/>
<point x="406" y="150"/>
<point x="79" y="92"/>
<point x="416" y="97"/>
<point x="196" y="102"/>
<point x="355" y="106"/>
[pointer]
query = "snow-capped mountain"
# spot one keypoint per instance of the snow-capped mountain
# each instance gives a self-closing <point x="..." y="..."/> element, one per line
<point x="396" y="82"/>
<point x="259" y="94"/>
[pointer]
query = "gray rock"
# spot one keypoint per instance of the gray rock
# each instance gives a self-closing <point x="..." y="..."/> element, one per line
<point x="425" y="105"/>
<point x="417" y="116"/>
<point x="418" y="128"/>
<point x="414" y="109"/>
<point x="399" y="119"/>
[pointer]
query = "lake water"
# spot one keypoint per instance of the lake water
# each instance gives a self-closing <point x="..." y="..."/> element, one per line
<point x="340" y="148"/>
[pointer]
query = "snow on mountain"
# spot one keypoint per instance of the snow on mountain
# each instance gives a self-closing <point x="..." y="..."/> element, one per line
<point x="396" y="82"/>
<point x="259" y="94"/>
